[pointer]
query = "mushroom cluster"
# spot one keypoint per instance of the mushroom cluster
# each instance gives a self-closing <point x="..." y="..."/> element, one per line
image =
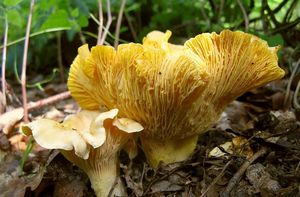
<point x="175" y="91"/>
<point x="171" y="92"/>
<point x="91" y="140"/>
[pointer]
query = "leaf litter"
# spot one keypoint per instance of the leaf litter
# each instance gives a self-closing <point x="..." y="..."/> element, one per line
<point x="254" y="149"/>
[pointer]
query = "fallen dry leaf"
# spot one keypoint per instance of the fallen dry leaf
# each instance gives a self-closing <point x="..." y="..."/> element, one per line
<point x="54" y="114"/>
<point x="4" y="143"/>
<point x="165" y="186"/>
<point x="236" y="117"/>
<point x="238" y="146"/>
<point x="70" y="188"/>
<point x="12" y="183"/>
<point x="241" y="147"/>
<point x="9" y="119"/>
<point x="17" y="142"/>
<point x="217" y="152"/>
<point x="261" y="179"/>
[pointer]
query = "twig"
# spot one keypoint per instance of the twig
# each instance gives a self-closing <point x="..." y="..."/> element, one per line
<point x="36" y="34"/>
<point x="82" y="37"/>
<point x="48" y="101"/>
<point x="3" y="67"/>
<point x="9" y="119"/>
<point x="41" y="103"/>
<point x="204" y="15"/>
<point x="100" y="22"/>
<point x="117" y="33"/>
<point x="288" y="88"/>
<point x="131" y="28"/>
<point x="289" y="12"/>
<point x="108" y="23"/>
<point x="220" y="11"/>
<point x="217" y="178"/>
<point x="263" y="16"/>
<point x="110" y="194"/>
<point x="59" y="58"/>
<point x="286" y="26"/>
<point x="23" y="76"/>
<point x="278" y="8"/>
<point x="295" y="99"/>
<point x="238" y="175"/>
<point x="244" y="14"/>
<point x="96" y="36"/>
<point x="271" y="14"/>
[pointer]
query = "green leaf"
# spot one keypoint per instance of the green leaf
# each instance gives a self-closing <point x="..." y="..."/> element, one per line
<point x="75" y="12"/>
<point x="46" y="5"/>
<point x="11" y="2"/>
<point x="134" y="6"/>
<point x="57" y="19"/>
<point x="274" y="40"/>
<point x="14" y="18"/>
<point x="83" y="21"/>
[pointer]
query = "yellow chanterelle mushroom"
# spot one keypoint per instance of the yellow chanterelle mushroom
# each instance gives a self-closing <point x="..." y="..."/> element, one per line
<point x="91" y="140"/>
<point x="176" y="92"/>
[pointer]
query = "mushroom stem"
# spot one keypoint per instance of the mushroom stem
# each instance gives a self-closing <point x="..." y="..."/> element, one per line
<point x="103" y="174"/>
<point x="169" y="151"/>
<point x="106" y="179"/>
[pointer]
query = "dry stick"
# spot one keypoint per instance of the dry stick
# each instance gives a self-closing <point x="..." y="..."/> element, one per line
<point x="108" y="23"/>
<point x="36" y="105"/>
<point x="288" y="88"/>
<point x="238" y="175"/>
<point x="295" y="99"/>
<point x="3" y="67"/>
<point x="204" y="15"/>
<point x="131" y="28"/>
<point x="217" y="178"/>
<point x="221" y="7"/>
<point x="244" y="14"/>
<point x="117" y="33"/>
<point x="36" y="34"/>
<point x="263" y="16"/>
<point x="48" y="101"/>
<point x="23" y="76"/>
<point x="59" y="58"/>
<point x="100" y="22"/>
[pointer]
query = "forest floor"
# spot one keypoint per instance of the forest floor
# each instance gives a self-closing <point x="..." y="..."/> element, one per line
<point x="253" y="150"/>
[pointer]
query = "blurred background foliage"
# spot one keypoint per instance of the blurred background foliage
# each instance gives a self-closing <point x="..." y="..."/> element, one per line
<point x="59" y="27"/>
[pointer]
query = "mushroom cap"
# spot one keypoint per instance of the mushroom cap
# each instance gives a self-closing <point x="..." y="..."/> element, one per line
<point x="173" y="91"/>
<point x="127" y="125"/>
<point x="78" y="132"/>
<point x="148" y="84"/>
<point x="158" y="39"/>
<point x="67" y="135"/>
<point x="238" y="61"/>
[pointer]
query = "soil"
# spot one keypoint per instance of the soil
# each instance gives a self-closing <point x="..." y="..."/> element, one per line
<point x="253" y="150"/>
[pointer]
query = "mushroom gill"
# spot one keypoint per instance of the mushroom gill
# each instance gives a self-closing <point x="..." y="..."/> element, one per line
<point x="175" y="92"/>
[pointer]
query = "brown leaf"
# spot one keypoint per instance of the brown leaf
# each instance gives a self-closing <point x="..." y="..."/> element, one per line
<point x="165" y="186"/>
<point x="70" y="188"/>
<point x="12" y="183"/>
<point x="9" y="119"/>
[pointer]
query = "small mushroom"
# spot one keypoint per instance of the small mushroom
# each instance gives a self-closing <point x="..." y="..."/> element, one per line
<point x="175" y="92"/>
<point x="92" y="141"/>
<point x="157" y="39"/>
